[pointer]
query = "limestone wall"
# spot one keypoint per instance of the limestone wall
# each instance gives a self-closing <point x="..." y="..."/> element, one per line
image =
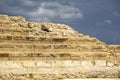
<point x="51" y="49"/>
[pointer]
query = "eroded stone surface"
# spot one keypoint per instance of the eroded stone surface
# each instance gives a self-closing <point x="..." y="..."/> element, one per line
<point x="31" y="51"/>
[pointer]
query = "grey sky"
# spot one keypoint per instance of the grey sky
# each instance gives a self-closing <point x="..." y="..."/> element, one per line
<point x="97" y="18"/>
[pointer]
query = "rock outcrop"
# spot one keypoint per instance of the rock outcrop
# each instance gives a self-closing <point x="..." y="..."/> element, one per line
<point x="31" y="50"/>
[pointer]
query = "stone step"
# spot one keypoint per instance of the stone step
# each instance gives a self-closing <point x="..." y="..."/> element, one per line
<point x="55" y="47"/>
<point x="43" y="39"/>
<point x="5" y="55"/>
<point x="60" y="67"/>
<point x="27" y="31"/>
<point x="14" y="31"/>
<point x="58" y="44"/>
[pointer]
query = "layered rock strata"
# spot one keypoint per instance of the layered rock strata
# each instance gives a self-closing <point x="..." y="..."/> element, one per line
<point x="40" y="50"/>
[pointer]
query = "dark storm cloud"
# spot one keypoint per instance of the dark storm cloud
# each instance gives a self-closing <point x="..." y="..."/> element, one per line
<point x="41" y="10"/>
<point x="98" y="18"/>
<point x="16" y="7"/>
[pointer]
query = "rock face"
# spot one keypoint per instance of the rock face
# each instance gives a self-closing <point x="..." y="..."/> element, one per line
<point x="40" y="50"/>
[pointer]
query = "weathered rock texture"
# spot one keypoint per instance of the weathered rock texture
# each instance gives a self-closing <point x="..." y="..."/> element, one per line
<point x="47" y="50"/>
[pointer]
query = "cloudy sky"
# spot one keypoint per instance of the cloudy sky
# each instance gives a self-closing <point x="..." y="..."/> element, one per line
<point x="97" y="18"/>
